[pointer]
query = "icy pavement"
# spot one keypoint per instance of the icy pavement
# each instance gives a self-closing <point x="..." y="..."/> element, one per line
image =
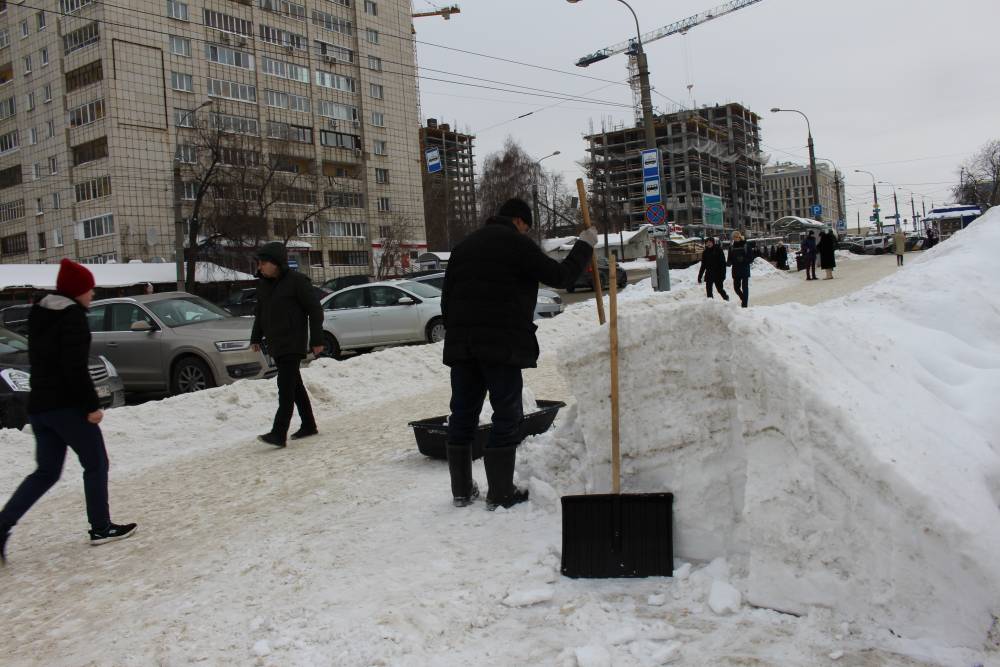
<point x="344" y="549"/>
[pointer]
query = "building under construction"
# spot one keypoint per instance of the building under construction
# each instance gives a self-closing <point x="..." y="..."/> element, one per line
<point x="450" y="194"/>
<point x="712" y="150"/>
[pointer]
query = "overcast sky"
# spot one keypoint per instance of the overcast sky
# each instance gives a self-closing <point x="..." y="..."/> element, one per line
<point x="903" y="88"/>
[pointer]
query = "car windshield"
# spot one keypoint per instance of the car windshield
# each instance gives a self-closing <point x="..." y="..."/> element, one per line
<point x="421" y="290"/>
<point x="10" y="342"/>
<point x="182" y="311"/>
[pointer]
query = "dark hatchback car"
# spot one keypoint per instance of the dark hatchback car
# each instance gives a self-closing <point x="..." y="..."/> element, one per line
<point x="15" y="318"/>
<point x="586" y="279"/>
<point x="241" y="303"/>
<point x="15" y="380"/>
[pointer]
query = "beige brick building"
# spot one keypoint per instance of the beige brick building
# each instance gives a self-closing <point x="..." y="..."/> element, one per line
<point x="102" y="106"/>
<point x="788" y="192"/>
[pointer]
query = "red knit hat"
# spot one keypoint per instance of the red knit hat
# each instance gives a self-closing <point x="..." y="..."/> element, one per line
<point x="73" y="279"/>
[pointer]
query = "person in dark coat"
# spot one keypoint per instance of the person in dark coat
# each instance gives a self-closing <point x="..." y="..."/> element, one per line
<point x="826" y="248"/>
<point x="488" y="303"/>
<point x="713" y="268"/>
<point x="781" y="256"/>
<point x="288" y="319"/>
<point x="809" y="252"/>
<point x="740" y="258"/>
<point x="63" y="407"/>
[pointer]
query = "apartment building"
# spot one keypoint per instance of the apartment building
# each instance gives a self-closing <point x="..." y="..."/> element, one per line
<point x="713" y="150"/>
<point x="788" y="192"/>
<point x="449" y="194"/>
<point x="104" y="110"/>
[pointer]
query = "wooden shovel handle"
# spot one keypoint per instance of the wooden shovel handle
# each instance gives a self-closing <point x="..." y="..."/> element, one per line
<point x="585" y="209"/>
<point x="616" y="462"/>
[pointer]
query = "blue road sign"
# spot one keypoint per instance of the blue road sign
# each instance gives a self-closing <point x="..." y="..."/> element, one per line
<point x="841" y="225"/>
<point x="816" y="209"/>
<point x="650" y="163"/>
<point x="433" y="158"/>
<point x="656" y="214"/>
<point x="651" y="190"/>
<point x="293" y="263"/>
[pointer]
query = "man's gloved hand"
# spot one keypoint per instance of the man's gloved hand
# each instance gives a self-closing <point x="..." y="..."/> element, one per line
<point x="589" y="236"/>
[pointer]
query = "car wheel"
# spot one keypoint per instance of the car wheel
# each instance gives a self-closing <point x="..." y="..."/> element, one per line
<point x="331" y="348"/>
<point x="571" y="289"/>
<point x="190" y="374"/>
<point x="622" y="281"/>
<point x="435" y="330"/>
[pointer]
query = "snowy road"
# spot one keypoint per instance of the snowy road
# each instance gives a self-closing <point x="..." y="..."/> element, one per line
<point x="344" y="549"/>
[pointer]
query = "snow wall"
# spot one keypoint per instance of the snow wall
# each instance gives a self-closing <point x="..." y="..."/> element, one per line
<point x="845" y="455"/>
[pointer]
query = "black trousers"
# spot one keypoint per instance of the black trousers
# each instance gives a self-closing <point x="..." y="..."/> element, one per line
<point x="470" y="382"/>
<point x="291" y="395"/>
<point x="717" y="282"/>
<point x="54" y="432"/>
<point x="810" y="267"/>
<point x="899" y="260"/>
<point x="742" y="288"/>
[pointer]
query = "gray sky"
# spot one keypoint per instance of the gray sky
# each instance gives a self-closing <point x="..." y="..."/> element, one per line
<point x="905" y="89"/>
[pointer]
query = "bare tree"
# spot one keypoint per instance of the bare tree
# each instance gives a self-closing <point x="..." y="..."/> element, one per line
<point x="979" y="181"/>
<point x="506" y="173"/>
<point x="395" y="233"/>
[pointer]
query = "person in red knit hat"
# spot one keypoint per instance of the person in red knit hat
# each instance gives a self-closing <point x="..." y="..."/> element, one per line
<point x="63" y="408"/>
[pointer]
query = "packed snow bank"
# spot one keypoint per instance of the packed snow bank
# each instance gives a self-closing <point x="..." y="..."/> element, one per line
<point x="882" y="506"/>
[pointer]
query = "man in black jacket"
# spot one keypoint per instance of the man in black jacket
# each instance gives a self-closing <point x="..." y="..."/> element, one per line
<point x="285" y="301"/>
<point x="488" y="303"/>
<point x="713" y="268"/>
<point x="63" y="407"/>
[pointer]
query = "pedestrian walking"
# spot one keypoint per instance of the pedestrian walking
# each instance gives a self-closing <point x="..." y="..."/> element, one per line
<point x="899" y="240"/>
<point x="488" y="302"/>
<point x="781" y="256"/>
<point x="809" y="253"/>
<point x="63" y="407"/>
<point x="713" y="269"/>
<point x="827" y="248"/>
<point x="740" y="258"/>
<point x="287" y="320"/>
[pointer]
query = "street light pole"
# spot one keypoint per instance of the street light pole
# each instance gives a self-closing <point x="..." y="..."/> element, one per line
<point x="836" y="190"/>
<point x="179" y="222"/>
<point x="895" y="203"/>
<point x="812" y="157"/>
<point x="534" y="196"/>
<point x="878" y="217"/>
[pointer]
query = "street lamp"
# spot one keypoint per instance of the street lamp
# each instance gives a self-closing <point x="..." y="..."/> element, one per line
<point x="878" y="217"/>
<point x="649" y="129"/>
<point x="812" y="157"/>
<point x="836" y="189"/>
<point x="534" y="195"/>
<point x="178" y="187"/>
<point x="895" y="202"/>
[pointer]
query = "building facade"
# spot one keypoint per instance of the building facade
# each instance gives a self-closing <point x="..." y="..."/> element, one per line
<point x="707" y="151"/>
<point x="788" y="192"/>
<point x="449" y="194"/>
<point x="108" y="114"/>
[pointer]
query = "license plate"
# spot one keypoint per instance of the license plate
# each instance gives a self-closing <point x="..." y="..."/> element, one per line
<point x="103" y="391"/>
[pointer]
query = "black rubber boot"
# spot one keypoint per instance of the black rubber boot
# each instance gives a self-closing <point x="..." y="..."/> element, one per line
<point x="4" y="534"/>
<point x="464" y="489"/>
<point x="500" y="476"/>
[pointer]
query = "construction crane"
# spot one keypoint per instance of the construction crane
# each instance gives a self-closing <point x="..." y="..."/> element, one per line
<point x="678" y="27"/>
<point x="444" y="12"/>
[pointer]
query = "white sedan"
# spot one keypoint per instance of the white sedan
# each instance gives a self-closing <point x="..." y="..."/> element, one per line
<point x="392" y="312"/>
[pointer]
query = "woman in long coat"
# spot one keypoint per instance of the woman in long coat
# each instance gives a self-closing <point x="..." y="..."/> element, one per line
<point x="827" y="246"/>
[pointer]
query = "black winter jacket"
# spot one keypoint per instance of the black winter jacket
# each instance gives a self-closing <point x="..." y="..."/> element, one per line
<point x="827" y="247"/>
<point x="713" y="264"/>
<point x="283" y="306"/>
<point x="490" y="291"/>
<point x="740" y="258"/>
<point x="59" y="352"/>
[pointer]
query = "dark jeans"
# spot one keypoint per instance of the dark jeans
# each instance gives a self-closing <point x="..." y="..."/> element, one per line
<point x="291" y="394"/>
<point x="810" y="267"/>
<point x="718" y="284"/>
<point x="470" y="381"/>
<point x="54" y="432"/>
<point x="899" y="260"/>
<point x="742" y="288"/>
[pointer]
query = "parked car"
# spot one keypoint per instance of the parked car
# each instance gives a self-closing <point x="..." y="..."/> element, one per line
<point x="15" y="318"/>
<point x="549" y="303"/>
<point x="339" y="283"/>
<point x="243" y="302"/>
<point x="871" y="245"/>
<point x="586" y="279"/>
<point x="175" y="342"/>
<point x="391" y="312"/>
<point x="15" y="371"/>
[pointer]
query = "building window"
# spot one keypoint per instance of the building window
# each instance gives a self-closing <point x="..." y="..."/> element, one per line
<point x="16" y="244"/>
<point x="371" y="36"/>
<point x="227" y="23"/>
<point x="92" y="228"/>
<point x="96" y="188"/>
<point x="280" y="100"/>
<point x="339" y="140"/>
<point x="84" y="76"/>
<point x="384" y="205"/>
<point x="315" y="256"/>
<point x="371" y="8"/>
<point x="344" y="199"/>
<point x="38" y="206"/>
<point x="36" y="171"/>
<point x="41" y="240"/>
<point x="81" y="38"/>
<point x="40" y="20"/>
<point x="12" y="210"/>
<point x="177" y="10"/>
<point x="90" y="151"/>
<point x="8" y="107"/>
<point x="381" y="147"/>
<point x="337" y="111"/>
<point x="182" y="82"/>
<point x="55" y="200"/>
<point x="10" y="177"/>
<point x="308" y="228"/>
<point x="31" y="101"/>
<point x="86" y="114"/>
<point x="27" y="64"/>
<point x="349" y="258"/>
<point x="284" y="70"/>
<point x="332" y="23"/>
<point x="53" y="165"/>
<point x="289" y="9"/>
<point x="378" y="119"/>
<point x="234" y="124"/>
<point x="70" y="6"/>
<point x="232" y="90"/>
<point x="4" y="38"/>
<point x="24" y="29"/>
<point x="381" y="176"/>
<point x="186" y="153"/>
<point x="47" y="92"/>
<point x="8" y="142"/>
<point x="348" y="229"/>
<point x="180" y="46"/>
<point x="50" y="127"/>
<point x="375" y="63"/>
<point x="283" y="38"/>
<point x="328" y="52"/>
<point x="376" y="91"/>
<point x="44" y="54"/>
<point x="190" y="192"/>
<point x="335" y="81"/>
<point x="57" y="238"/>
<point x="33" y="136"/>
<point x="226" y="56"/>
<point x="297" y="133"/>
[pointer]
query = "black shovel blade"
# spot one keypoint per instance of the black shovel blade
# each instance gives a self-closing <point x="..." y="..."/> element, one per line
<point x="612" y="535"/>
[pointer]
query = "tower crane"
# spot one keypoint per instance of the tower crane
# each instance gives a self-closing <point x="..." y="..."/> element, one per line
<point x="443" y="12"/>
<point x="677" y="27"/>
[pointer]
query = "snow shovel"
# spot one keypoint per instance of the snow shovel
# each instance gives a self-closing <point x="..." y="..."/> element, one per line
<point x="585" y="209"/>
<point x="616" y="534"/>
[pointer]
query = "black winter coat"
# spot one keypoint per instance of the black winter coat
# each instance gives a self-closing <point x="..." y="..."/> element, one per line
<point x="713" y="264"/>
<point x="740" y="258"/>
<point x="827" y="247"/>
<point x="284" y="304"/>
<point x="781" y="255"/>
<point x="59" y="352"/>
<point x="490" y="291"/>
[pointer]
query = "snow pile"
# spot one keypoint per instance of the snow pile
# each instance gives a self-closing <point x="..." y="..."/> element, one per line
<point x="879" y="501"/>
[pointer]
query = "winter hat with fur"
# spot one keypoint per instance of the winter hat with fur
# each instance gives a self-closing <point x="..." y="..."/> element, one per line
<point x="73" y="279"/>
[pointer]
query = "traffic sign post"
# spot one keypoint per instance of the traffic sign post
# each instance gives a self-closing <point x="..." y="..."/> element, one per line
<point x="653" y="197"/>
<point x="656" y="214"/>
<point x="433" y="159"/>
<point x="816" y="210"/>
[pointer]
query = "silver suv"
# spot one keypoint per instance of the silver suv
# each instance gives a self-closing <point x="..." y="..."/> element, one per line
<point x="175" y="342"/>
